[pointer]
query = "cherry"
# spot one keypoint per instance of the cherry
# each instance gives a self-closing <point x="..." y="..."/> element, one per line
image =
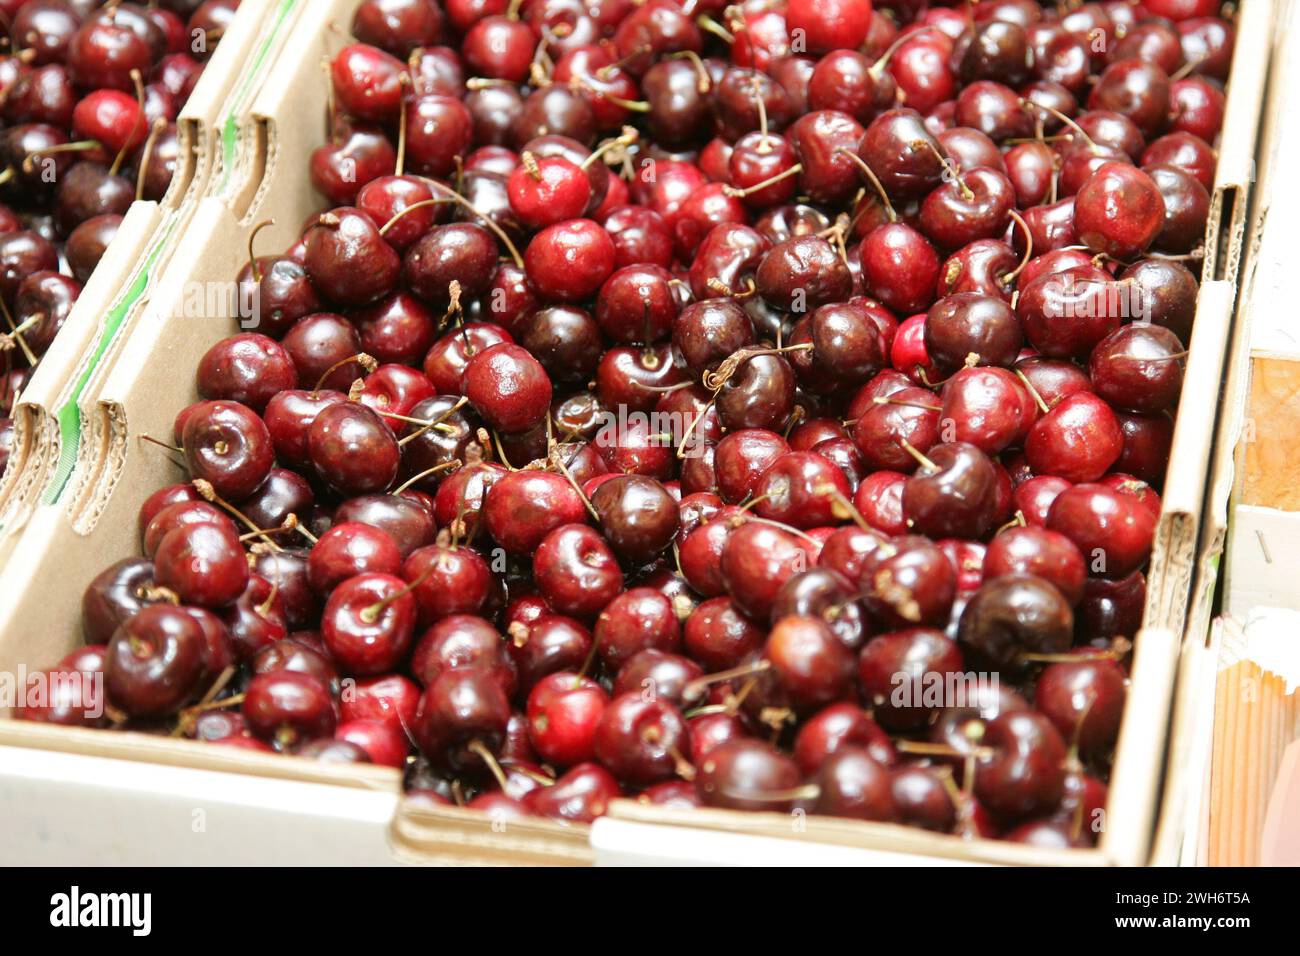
<point x="114" y="595"/>
<point x="407" y="521"/>
<point x="839" y="726"/>
<point x="852" y="783"/>
<point x="1114" y="531"/>
<point x="809" y="661"/>
<point x="287" y="708"/>
<point x="576" y="571"/>
<point x="499" y="47"/>
<point x="1014" y="614"/>
<point x="1041" y="552"/>
<point x="802" y="273"/>
<point x="953" y="493"/>
<point x="1118" y="211"/>
<point x="448" y="581"/>
<point x="987" y="407"/>
<point x="523" y="507"/>
<point x="637" y="516"/>
<point x="641" y="741"/>
<point x="248" y="368"/>
<point x="969" y="324"/>
<point x="348" y="259"/>
<point x="659" y="673"/>
<point x="347" y="549"/>
<point x="179" y="514"/>
<point x="757" y="559"/>
<point x="367" y="82"/>
<point x="462" y="715"/>
<point x="1138" y="368"/>
<point x="1077" y="440"/>
<point x="899" y="267"/>
<point x="353" y="449"/>
<point x="801" y="489"/>
<point x="747" y="774"/>
<point x="508" y="387"/>
<point x="564" y="710"/>
<point x="361" y="154"/>
<point x="154" y="662"/>
<point x="568" y="261"/>
<point x="910" y="657"/>
<point x="579" y="796"/>
<point x="464" y="253"/>
<point x="1024" y="771"/>
<point x="1084" y="699"/>
<point x="907" y="582"/>
<point x="459" y="641"/>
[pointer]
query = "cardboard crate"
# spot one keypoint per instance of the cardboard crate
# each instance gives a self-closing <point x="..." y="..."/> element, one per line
<point x="263" y="178"/>
<point x="47" y="425"/>
<point x="267" y="131"/>
<point x="1144" y="822"/>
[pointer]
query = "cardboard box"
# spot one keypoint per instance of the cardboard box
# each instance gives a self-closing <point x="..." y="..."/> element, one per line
<point x="273" y="124"/>
<point x="151" y="377"/>
<point x="48" y="433"/>
<point x="1144" y="788"/>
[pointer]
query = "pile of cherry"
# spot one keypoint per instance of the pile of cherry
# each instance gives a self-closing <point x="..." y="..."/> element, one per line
<point x="89" y="93"/>
<point x="873" y="269"/>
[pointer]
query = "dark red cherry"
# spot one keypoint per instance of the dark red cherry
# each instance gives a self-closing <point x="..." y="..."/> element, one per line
<point x="908" y="581"/>
<point x="747" y="774"/>
<point x="576" y="571"/>
<point x="1041" y="552"/>
<point x="523" y="507"/>
<point x="1024" y="770"/>
<point x="229" y="446"/>
<point x="1077" y="440"/>
<point x="1112" y="530"/>
<point x="287" y="707"/>
<point x="953" y="494"/>
<point x="1013" y="615"/>
<point x="641" y="741"/>
<point x="564" y="710"/>
<point x="968" y="324"/>
<point x="353" y="449"/>
<point x="899" y="267"/>
<point x="1118" y="211"/>
<point x="348" y="259"/>
<point x="202" y="564"/>
<point x="155" y="662"/>
<point x="580" y="796"/>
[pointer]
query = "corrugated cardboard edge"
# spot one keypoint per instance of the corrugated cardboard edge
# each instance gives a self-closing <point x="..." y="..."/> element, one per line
<point x="36" y="443"/>
<point x="425" y="834"/>
<point x="91" y="332"/>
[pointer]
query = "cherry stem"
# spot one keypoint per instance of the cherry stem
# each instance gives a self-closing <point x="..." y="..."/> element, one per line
<point x="926" y="749"/>
<point x="951" y="170"/>
<point x="1011" y="276"/>
<point x="252" y="257"/>
<point x="487" y="220"/>
<point x="367" y="362"/>
<point x="703" y="83"/>
<point x="496" y="440"/>
<point x="709" y="25"/>
<point x="1033" y="392"/>
<point x="848" y="508"/>
<point x="370" y="613"/>
<point x="696" y="687"/>
<point x="690" y="429"/>
<point x="477" y="747"/>
<point x="433" y="423"/>
<point x="16" y="333"/>
<point x="920" y="458"/>
<point x="454" y="463"/>
<point x="1057" y="114"/>
<point x="714" y="380"/>
<point x="422" y="204"/>
<point x="627" y="137"/>
<point x="209" y="494"/>
<point x="714" y="284"/>
<point x="553" y="453"/>
<point x="158" y="126"/>
<point x="889" y="400"/>
<point x="80" y="146"/>
<point x="794" y="170"/>
<point x="871" y="177"/>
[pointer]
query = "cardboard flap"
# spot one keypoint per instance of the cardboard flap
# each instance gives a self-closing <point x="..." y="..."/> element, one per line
<point x="37" y="434"/>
